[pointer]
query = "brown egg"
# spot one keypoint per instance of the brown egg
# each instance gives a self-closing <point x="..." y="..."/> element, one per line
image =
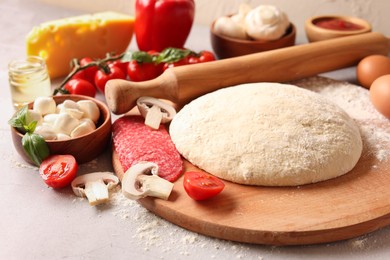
<point x="380" y="95"/>
<point x="372" y="67"/>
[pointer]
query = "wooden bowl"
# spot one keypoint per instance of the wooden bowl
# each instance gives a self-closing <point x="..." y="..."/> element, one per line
<point x="315" y="33"/>
<point x="228" y="47"/>
<point x="84" y="148"/>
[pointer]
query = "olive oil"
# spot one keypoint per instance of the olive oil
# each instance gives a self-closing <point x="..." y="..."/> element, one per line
<point x="28" y="80"/>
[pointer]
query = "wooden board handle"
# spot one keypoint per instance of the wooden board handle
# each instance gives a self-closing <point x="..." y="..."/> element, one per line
<point x="182" y="84"/>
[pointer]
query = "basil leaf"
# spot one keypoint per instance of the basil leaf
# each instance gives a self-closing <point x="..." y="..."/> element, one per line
<point x="35" y="147"/>
<point x="170" y="55"/>
<point x="30" y="128"/>
<point x="141" y="57"/>
<point x="19" y="120"/>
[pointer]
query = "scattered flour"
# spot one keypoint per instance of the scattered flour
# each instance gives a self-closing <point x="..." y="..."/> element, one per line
<point x="355" y="100"/>
<point x="152" y="230"/>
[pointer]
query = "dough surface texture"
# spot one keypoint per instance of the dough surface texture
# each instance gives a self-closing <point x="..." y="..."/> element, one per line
<point x="267" y="134"/>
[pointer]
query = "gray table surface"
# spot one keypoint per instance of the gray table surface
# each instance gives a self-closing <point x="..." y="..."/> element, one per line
<point x="40" y="223"/>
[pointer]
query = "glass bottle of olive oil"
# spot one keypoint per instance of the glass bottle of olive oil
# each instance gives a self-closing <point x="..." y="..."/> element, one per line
<point x="28" y="79"/>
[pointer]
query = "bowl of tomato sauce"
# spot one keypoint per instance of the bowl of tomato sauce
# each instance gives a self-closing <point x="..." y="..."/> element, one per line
<point x="326" y="27"/>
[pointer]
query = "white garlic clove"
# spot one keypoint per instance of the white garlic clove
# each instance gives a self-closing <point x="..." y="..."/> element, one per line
<point x="44" y="105"/>
<point x="90" y="109"/>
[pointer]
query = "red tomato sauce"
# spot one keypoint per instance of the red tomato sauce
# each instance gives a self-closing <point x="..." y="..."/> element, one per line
<point x="337" y="24"/>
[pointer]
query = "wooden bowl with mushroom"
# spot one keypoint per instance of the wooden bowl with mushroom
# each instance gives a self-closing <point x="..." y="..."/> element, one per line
<point x="84" y="141"/>
<point x="228" y="47"/>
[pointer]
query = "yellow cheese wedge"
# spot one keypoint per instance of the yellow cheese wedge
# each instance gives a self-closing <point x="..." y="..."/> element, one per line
<point x="60" y="41"/>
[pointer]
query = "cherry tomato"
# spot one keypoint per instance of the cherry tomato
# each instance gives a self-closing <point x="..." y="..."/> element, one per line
<point x="182" y="62"/>
<point x="58" y="171"/>
<point x="79" y="75"/>
<point x="143" y="71"/>
<point x="193" y="60"/>
<point x="90" y="71"/>
<point x="120" y="64"/>
<point x="201" y="185"/>
<point x="206" y="56"/>
<point x="80" y="87"/>
<point x="101" y="77"/>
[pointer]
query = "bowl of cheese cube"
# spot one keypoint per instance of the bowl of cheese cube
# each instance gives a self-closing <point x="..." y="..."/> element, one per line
<point x="69" y="124"/>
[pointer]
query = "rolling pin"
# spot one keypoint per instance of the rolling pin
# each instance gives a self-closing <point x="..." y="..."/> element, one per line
<point x="182" y="84"/>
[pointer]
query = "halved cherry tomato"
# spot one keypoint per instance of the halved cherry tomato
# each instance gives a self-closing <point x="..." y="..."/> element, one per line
<point x="101" y="77"/>
<point x="80" y="87"/>
<point x="58" y="171"/>
<point x="201" y="185"/>
<point x="141" y="71"/>
<point x="90" y="71"/>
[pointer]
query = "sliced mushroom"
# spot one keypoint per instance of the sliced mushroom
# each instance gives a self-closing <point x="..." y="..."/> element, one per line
<point x="155" y="111"/>
<point x="142" y="180"/>
<point x="94" y="186"/>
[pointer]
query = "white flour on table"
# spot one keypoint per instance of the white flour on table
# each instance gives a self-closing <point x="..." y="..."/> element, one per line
<point x="151" y="232"/>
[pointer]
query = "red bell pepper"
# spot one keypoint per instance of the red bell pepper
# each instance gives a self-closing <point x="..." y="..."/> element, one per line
<point x="160" y="24"/>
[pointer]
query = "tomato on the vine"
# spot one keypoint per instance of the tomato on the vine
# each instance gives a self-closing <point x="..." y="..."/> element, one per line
<point x="141" y="71"/>
<point x="90" y="71"/>
<point x="101" y="77"/>
<point x="58" y="171"/>
<point x="80" y="87"/>
<point x="120" y="64"/>
<point x="80" y="75"/>
<point x="182" y="62"/>
<point x="201" y="185"/>
<point x="206" y="56"/>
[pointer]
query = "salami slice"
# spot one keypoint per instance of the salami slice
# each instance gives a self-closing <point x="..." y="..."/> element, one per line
<point x="135" y="142"/>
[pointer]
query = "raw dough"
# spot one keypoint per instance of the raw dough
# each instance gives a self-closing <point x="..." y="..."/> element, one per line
<point x="267" y="134"/>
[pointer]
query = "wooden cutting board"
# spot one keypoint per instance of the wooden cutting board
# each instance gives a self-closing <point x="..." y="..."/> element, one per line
<point x="337" y="209"/>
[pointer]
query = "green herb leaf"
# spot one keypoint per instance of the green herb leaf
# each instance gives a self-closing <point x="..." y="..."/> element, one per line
<point x="35" y="147"/>
<point x="142" y="57"/>
<point x="170" y="55"/>
<point x="19" y="120"/>
<point x="30" y="128"/>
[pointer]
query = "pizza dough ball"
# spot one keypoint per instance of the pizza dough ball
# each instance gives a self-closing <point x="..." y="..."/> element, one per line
<point x="267" y="134"/>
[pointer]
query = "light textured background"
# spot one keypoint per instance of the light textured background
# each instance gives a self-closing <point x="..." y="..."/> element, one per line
<point x="376" y="12"/>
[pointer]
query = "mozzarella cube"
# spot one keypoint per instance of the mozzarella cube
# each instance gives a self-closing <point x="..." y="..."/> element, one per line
<point x="46" y="131"/>
<point x="65" y="123"/>
<point x="62" y="137"/>
<point x="82" y="129"/>
<point x="90" y="109"/>
<point x="70" y="107"/>
<point x="33" y="116"/>
<point x="44" y="105"/>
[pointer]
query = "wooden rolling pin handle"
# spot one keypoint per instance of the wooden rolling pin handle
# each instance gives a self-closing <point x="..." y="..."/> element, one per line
<point x="182" y="84"/>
